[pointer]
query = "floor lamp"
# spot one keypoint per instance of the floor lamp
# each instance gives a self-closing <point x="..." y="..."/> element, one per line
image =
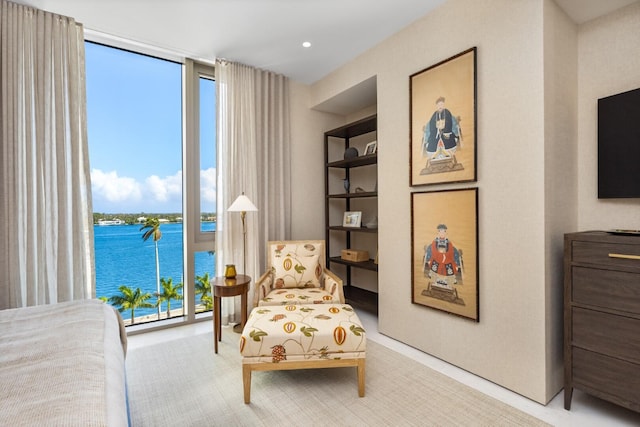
<point x="243" y="205"/>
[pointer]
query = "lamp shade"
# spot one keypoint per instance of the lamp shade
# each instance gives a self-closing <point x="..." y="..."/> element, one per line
<point x="242" y="204"/>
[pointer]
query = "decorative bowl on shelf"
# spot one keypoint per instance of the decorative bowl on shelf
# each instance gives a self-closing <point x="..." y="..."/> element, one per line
<point x="350" y="153"/>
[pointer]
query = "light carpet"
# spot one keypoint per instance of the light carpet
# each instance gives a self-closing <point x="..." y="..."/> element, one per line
<point x="183" y="383"/>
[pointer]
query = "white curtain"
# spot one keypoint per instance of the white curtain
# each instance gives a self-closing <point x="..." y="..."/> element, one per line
<point x="46" y="232"/>
<point x="254" y="158"/>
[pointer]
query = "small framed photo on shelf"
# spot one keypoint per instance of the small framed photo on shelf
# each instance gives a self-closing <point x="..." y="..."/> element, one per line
<point x="352" y="219"/>
<point x="371" y="148"/>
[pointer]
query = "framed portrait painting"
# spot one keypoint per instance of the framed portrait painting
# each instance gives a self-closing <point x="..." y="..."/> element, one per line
<point x="444" y="240"/>
<point x="443" y="121"/>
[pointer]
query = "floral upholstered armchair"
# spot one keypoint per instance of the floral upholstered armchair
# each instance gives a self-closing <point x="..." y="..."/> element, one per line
<point x="297" y="274"/>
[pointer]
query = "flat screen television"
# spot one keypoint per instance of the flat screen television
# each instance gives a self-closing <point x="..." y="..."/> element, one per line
<point x="619" y="145"/>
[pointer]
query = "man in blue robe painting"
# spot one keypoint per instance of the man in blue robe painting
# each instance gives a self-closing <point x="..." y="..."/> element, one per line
<point x="441" y="134"/>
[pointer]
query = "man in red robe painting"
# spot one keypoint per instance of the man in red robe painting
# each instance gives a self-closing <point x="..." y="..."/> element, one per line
<point x="442" y="259"/>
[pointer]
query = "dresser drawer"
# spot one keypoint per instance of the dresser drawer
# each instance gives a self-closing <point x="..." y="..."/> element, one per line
<point x="607" y="254"/>
<point x="616" y="290"/>
<point x="609" y="378"/>
<point x="616" y="336"/>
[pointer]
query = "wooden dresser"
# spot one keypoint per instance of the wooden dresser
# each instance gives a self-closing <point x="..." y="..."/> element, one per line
<point x="602" y="317"/>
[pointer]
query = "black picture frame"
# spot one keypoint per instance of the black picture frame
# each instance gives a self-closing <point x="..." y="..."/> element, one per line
<point x="444" y="248"/>
<point x="443" y="117"/>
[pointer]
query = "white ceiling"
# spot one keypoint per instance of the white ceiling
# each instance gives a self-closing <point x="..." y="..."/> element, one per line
<point x="582" y="11"/>
<point x="268" y="34"/>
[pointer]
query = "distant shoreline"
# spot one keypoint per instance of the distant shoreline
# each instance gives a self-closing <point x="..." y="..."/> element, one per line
<point x="140" y="320"/>
<point x="103" y="219"/>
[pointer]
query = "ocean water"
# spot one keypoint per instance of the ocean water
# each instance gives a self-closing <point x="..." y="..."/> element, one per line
<point x="123" y="258"/>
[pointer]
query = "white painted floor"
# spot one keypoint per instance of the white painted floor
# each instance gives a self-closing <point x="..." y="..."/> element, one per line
<point x="586" y="411"/>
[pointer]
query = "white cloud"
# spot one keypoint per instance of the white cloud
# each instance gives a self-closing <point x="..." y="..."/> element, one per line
<point x="165" y="189"/>
<point x="113" y="193"/>
<point x="208" y="185"/>
<point x="113" y="188"/>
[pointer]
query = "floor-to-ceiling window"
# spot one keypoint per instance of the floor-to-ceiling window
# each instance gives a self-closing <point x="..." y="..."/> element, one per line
<point x="151" y="129"/>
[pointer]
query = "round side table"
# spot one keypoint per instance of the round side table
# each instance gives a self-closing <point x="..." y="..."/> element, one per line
<point x="223" y="287"/>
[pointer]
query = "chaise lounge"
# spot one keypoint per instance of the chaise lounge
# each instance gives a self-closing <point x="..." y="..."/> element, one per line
<point x="302" y="337"/>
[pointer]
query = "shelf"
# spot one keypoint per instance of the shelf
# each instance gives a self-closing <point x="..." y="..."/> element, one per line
<point x="353" y="195"/>
<point x="335" y="141"/>
<point x="366" y="125"/>
<point x="366" y="265"/>
<point x="369" y="159"/>
<point x="362" y="299"/>
<point x="355" y="229"/>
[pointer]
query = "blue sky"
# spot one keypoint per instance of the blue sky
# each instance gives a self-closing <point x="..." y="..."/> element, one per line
<point x="134" y="107"/>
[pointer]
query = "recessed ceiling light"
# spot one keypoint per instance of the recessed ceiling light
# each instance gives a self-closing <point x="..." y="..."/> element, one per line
<point x="306" y="44"/>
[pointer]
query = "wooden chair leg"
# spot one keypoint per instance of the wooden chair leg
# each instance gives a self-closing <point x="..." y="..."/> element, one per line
<point x="246" y="382"/>
<point x="361" y="365"/>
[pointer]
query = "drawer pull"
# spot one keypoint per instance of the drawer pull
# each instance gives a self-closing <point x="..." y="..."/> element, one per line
<point x="624" y="256"/>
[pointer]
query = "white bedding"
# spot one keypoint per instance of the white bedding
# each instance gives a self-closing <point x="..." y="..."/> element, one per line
<point x="63" y="364"/>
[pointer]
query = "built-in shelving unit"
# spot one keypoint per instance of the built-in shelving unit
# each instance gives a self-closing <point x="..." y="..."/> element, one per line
<point x="338" y="200"/>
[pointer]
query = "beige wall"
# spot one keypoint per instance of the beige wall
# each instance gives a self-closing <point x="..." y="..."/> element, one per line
<point x="609" y="63"/>
<point x="508" y="344"/>
<point x="560" y="173"/>
<point x="536" y="115"/>
<point x="307" y="164"/>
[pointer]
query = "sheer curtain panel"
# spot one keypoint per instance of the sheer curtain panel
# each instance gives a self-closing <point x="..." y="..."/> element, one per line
<point x="46" y="231"/>
<point x="254" y="158"/>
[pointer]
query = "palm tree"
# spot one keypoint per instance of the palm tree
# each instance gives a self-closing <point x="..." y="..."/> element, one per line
<point x="152" y="227"/>
<point x="130" y="300"/>
<point x="168" y="293"/>
<point x="203" y="288"/>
